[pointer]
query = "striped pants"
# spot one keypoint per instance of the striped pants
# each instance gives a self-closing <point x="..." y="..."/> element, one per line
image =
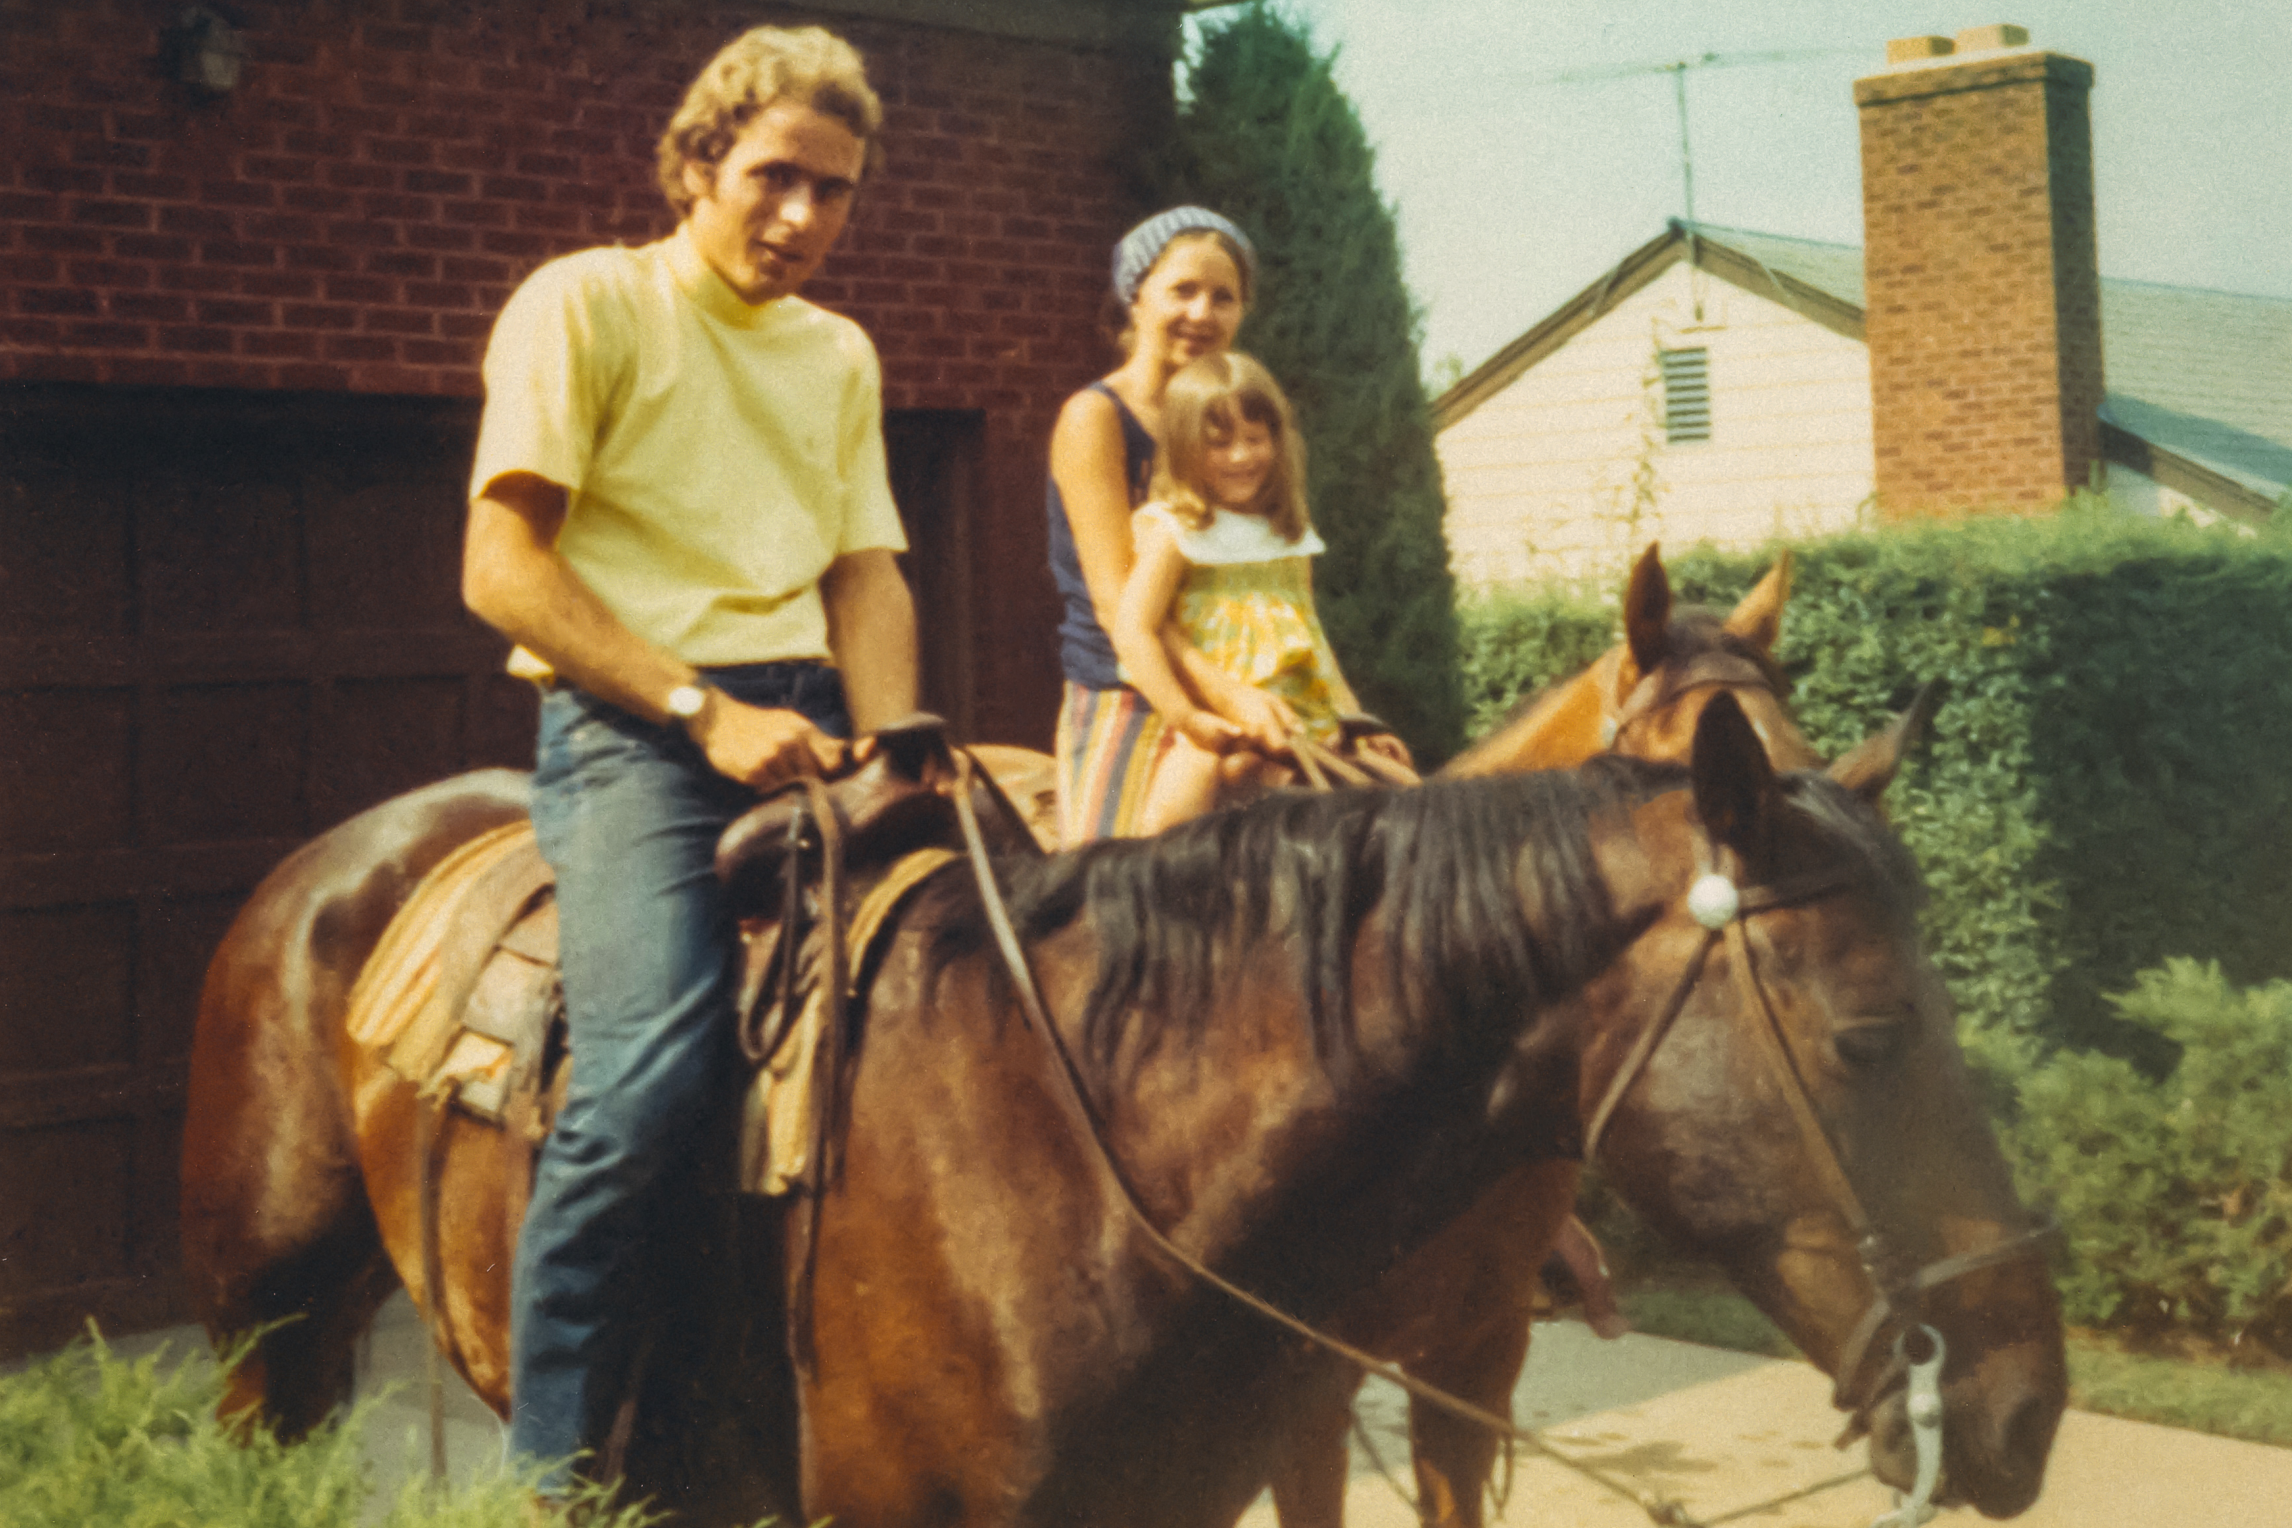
<point x="1109" y="744"/>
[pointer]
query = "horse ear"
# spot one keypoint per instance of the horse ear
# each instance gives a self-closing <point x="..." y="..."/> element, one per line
<point x="1733" y="780"/>
<point x="1759" y="619"/>
<point x="1647" y="612"/>
<point x="1868" y="767"/>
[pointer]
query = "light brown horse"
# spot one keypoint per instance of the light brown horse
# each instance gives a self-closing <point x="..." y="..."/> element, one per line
<point x="1413" y="991"/>
<point x="1458" y="1313"/>
<point x="1642" y="697"/>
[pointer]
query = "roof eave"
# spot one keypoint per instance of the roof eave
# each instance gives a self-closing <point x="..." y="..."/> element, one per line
<point x="1754" y="275"/>
<point x="1635" y="271"/>
<point x="2169" y="469"/>
<point x="1567" y="321"/>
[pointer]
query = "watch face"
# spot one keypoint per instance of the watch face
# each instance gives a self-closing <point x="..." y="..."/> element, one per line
<point x="685" y="701"/>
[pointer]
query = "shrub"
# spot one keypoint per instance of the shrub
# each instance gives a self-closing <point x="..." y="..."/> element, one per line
<point x="2104" y="785"/>
<point x="2173" y="1191"/>
<point x="1512" y="644"/>
<point x="88" y="1438"/>
<point x="1266" y="137"/>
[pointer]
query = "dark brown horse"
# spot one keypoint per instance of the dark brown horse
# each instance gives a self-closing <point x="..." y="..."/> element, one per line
<point x="1458" y="1313"/>
<point x="1313" y="1032"/>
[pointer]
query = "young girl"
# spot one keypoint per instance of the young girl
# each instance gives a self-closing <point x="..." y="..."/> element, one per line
<point x="1223" y="557"/>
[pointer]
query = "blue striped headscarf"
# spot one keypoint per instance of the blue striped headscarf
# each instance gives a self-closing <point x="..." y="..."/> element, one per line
<point x="1143" y="245"/>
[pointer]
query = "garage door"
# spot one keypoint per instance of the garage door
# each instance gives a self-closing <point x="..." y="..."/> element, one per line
<point x="226" y="622"/>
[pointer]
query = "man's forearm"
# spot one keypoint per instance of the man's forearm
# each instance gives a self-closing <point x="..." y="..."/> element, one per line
<point x="871" y="632"/>
<point x="515" y="581"/>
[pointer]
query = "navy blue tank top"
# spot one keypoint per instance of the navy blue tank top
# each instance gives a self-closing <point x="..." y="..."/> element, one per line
<point x="1085" y="652"/>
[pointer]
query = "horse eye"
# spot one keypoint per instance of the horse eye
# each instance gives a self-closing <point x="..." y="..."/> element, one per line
<point x="1872" y="1042"/>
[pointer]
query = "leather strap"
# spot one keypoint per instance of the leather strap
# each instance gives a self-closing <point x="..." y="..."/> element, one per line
<point x="1895" y="1295"/>
<point x="1076" y="1098"/>
<point x="1716" y="669"/>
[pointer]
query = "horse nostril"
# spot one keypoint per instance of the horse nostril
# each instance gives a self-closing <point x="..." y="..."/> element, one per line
<point x="2018" y="1440"/>
<point x="2028" y="1433"/>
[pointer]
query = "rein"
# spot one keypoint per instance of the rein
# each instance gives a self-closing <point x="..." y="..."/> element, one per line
<point x="1898" y="1288"/>
<point x="1717" y="669"/>
<point x="1076" y="1096"/>
<point x="1721" y="906"/>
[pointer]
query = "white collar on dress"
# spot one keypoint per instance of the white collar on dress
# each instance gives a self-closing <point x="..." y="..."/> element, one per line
<point x="1232" y="538"/>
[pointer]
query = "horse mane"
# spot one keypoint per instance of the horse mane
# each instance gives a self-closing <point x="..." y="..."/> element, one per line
<point x="1176" y="918"/>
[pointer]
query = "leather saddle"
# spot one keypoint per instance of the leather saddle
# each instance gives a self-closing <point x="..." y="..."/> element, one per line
<point x="481" y="1009"/>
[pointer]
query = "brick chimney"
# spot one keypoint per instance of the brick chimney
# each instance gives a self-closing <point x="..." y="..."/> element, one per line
<point x="1979" y="276"/>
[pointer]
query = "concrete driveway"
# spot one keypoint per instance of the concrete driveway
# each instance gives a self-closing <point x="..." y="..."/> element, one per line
<point x="1739" y="1439"/>
<point x="1733" y="1438"/>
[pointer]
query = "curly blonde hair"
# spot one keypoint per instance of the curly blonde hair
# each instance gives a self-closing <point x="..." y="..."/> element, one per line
<point x="810" y="65"/>
<point x="1200" y="409"/>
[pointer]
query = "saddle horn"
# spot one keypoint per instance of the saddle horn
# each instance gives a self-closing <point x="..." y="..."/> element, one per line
<point x="886" y="803"/>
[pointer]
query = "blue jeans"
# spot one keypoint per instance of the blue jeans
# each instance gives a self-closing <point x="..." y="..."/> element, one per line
<point x="628" y="813"/>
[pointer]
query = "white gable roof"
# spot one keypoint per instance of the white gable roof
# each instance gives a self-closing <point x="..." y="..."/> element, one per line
<point x="2199" y="383"/>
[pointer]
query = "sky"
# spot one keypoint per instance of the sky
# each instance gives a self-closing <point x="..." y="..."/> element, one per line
<point x="1515" y="188"/>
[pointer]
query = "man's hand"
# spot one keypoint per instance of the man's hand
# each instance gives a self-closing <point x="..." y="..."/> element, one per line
<point x="762" y="749"/>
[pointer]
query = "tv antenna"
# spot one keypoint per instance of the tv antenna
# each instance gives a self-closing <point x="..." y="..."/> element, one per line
<point x="1678" y="69"/>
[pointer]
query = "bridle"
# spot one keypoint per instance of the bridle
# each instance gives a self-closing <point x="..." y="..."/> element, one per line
<point x="1898" y="1285"/>
<point x="1720" y="906"/>
<point x="1716" y="668"/>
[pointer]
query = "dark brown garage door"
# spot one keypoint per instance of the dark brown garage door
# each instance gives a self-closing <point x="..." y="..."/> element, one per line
<point x="226" y="622"/>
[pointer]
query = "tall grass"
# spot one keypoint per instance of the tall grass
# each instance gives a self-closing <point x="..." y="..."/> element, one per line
<point x="89" y="1438"/>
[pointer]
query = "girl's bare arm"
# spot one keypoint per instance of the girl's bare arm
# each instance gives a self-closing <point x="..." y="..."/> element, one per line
<point x="1140" y="615"/>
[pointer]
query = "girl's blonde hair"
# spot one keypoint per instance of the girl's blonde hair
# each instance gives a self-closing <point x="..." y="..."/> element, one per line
<point x="1202" y="407"/>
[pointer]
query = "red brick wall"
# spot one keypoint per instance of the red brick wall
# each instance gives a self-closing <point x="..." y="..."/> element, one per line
<point x="1980" y="281"/>
<point x="352" y="216"/>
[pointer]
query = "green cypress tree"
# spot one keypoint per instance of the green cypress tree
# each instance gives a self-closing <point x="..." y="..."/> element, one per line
<point x="1267" y="138"/>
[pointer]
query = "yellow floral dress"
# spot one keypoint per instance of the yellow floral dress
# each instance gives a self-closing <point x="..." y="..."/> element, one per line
<point x="1247" y="603"/>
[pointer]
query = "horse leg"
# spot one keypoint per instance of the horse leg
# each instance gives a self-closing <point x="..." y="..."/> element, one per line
<point x="1455" y="1457"/>
<point x="303" y="1367"/>
<point x="276" y="1229"/>
<point x="1494" y="1256"/>
<point x="1313" y="1465"/>
<point x="277" y="1226"/>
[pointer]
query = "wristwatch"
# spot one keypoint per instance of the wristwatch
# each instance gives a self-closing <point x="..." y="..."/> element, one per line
<point x="686" y="701"/>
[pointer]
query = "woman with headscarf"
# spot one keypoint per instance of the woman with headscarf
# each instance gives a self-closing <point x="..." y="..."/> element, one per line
<point x="1182" y="281"/>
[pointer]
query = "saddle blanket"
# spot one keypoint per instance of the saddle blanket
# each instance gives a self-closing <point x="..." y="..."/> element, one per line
<point x="460" y="994"/>
<point x="463" y="985"/>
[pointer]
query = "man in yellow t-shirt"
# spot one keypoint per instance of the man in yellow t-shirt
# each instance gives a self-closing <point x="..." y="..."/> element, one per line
<point x="680" y="513"/>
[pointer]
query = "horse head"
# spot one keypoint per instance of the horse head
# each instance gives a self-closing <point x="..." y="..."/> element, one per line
<point x="1642" y="696"/>
<point x="1777" y="1086"/>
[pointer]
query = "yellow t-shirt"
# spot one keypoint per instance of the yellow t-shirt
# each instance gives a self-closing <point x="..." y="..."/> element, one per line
<point x="718" y="456"/>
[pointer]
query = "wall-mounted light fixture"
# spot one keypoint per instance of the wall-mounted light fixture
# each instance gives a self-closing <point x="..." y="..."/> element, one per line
<point x="209" y="51"/>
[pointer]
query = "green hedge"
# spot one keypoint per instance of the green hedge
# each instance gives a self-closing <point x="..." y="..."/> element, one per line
<point x="2172" y="1192"/>
<point x="2105" y="785"/>
<point x="1516" y="643"/>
